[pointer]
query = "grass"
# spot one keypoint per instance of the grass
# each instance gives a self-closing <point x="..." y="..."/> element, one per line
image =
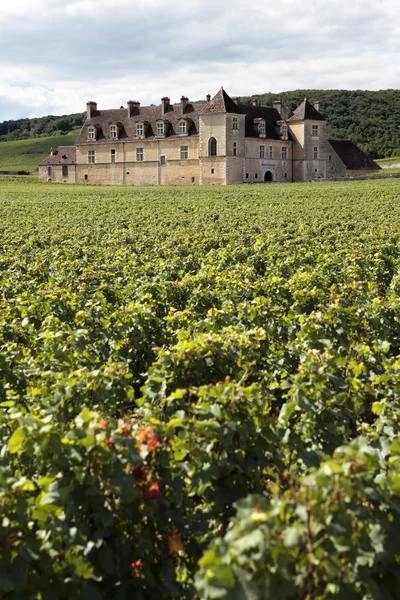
<point x="25" y="155"/>
<point x="392" y="160"/>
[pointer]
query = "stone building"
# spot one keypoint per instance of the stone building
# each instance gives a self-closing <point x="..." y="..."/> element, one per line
<point x="220" y="141"/>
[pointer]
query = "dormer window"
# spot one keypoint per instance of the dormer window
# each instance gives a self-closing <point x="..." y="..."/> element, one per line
<point x="284" y="131"/>
<point x="140" y="130"/>
<point x="160" y="128"/>
<point x="261" y="129"/>
<point x="113" y="132"/>
<point x="182" y="129"/>
<point x="91" y="133"/>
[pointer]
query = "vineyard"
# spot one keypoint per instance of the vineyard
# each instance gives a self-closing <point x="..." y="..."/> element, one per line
<point x="199" y="392"/>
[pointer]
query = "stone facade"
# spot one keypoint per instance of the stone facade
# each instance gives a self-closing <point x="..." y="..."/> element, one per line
<point x="218" y="142"/>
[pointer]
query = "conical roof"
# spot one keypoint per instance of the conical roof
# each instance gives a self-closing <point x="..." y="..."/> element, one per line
<point x="305" y="111"/>
<point x="221" y="103"/>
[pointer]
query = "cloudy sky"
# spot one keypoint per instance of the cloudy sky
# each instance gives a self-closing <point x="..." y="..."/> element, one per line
<point x="55" y="55"/>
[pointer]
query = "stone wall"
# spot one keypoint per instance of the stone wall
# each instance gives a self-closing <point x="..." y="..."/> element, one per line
<point x="150" y="171"/>
<point x="334" y="166"/>
<point x="57" y="174"/>
<point x="305" y="166"/>
<point x="255" y="167"/>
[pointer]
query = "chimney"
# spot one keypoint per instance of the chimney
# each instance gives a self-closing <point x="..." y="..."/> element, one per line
<point x="184" y="102"/>
<point x="277" y="104"/>
<point x="235" y="99"/>
<point x="91" y="108"/>
<point x="316" y="105"/>
<point x="164" y="104"/>
<point x="208" y="97"/>
<point x="254" y="101"/>
<point x="51" y="152"/>
<point x="133" y="107"/>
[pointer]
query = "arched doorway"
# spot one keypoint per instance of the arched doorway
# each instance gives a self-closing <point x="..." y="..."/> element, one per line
<point x="268" y="176"/>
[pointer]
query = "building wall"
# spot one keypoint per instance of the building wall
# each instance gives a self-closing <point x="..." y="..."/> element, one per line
<point x="128" y="170"/>
<point x="305" y="166"/>
<point x="57" y="175"/>
<point x="334" y="166"/>
<point x="235" y="164"/>
<point x="255" y="167"/>
<point x="212" y="168"/>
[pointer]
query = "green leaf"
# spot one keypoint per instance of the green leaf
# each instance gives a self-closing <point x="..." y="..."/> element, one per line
<point x="17" y="440"/>
<point x="292" y="536"/>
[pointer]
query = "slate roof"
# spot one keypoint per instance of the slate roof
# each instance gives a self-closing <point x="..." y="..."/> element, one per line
<point x="255" y="113"/>
<point x="63" y="155"/>
<point x="352" y="156"/>
<point x="149" y="115"/>
<point x="221" y="103"/>
<point x="305" y="111"/>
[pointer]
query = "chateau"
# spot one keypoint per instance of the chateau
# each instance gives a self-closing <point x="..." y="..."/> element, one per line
<point x="220" y="141"/>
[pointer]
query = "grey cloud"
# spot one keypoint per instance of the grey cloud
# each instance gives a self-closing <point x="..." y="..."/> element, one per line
<point x="207" y="37"/>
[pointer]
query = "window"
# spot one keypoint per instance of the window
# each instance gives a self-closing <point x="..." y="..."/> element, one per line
<point x="262" y="151"/>
<point x="261" y="128"/>
<point x="284" y="131"/>
<point x="315" y="152"/>
<point x="285" y="175"/>
<point x="86" y="177"/>
<point x="330" y="157"/>
<point x="139" y="154"/>
<point x="193" y="179"/>
<point x="212" y="147"/>
<point x="212" y="171"/>
<point x="235" y="123"/>
<point x="113" y="132"/>
<point x="139" y="130"/>
<point x="49" y="171"/>
<point x="113" y="156"/>
<point x="184" y="152"/>
<point x="256" y="175"/>
<point x="315" y="130"/>
<point x="65" y="171"/>
<point x="162" y="160"/>
<point x="234" y="149"/>
<point x="284" y="152"/>
<point x="91" y="157"/>
<point x="247" y="175"/>
<point x="182" y="127"/>
<point x="160" y="128"/>
<point x="91" y="133"/>
<point x="271" y="152"/>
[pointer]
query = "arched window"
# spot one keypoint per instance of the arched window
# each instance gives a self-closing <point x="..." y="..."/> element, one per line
<point x="212" y="147"/>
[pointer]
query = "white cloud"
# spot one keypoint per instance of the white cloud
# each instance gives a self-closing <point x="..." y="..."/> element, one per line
<point x="55" y="55"/>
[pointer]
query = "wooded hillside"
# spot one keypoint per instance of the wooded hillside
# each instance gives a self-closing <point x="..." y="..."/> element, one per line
<point x="370" y="119"/>
<point x="24" y="129"/>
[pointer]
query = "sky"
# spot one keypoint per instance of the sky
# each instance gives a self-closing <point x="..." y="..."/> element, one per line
<point x="56" y="55"/>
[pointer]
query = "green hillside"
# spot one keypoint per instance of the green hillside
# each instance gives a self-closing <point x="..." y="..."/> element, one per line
<point x="25" y="155"/>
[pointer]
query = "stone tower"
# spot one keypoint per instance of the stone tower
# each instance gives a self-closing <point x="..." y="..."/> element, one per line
<point x="222" y="141"/>
<point x="308" y="129"/>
